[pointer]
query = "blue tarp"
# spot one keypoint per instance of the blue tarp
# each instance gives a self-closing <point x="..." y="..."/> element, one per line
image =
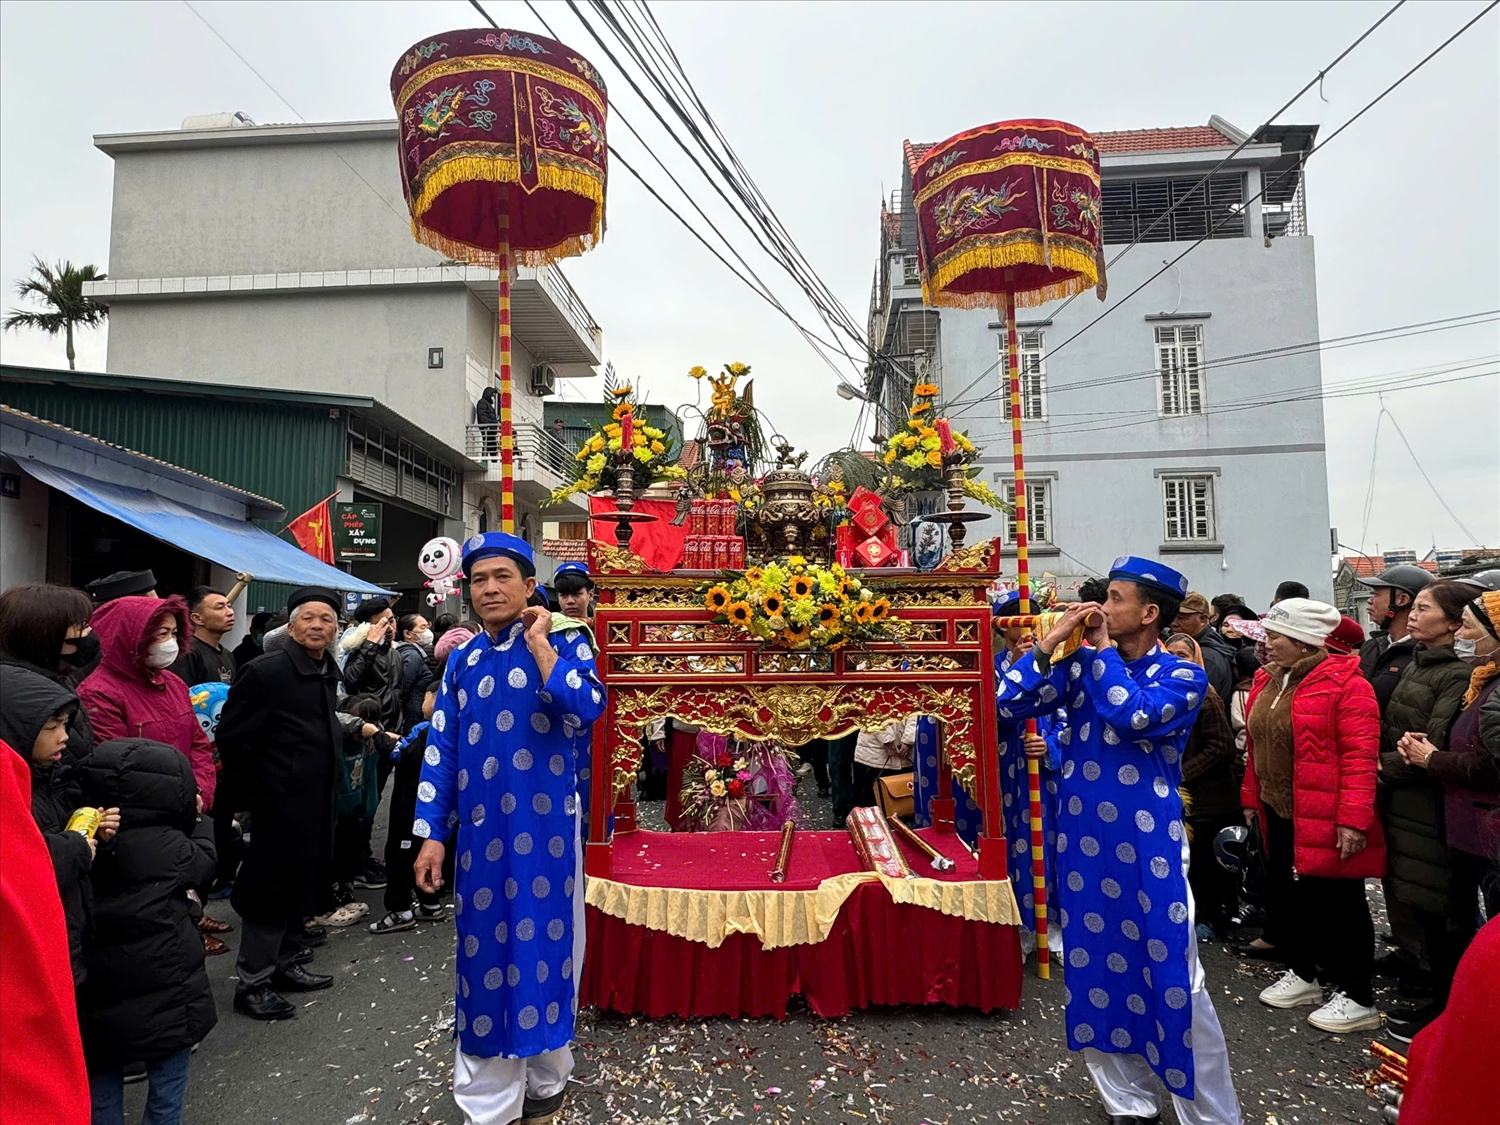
<point x="236" y="544"/>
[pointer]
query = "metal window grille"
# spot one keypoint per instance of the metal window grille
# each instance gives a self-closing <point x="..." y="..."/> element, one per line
<point x="1188" y="508"/>
<point x="1179" y="365"/>
<point x="1215" y="210"/>
<point x="1033" y="374"/>
<point x="386" y="462"/>
<point x="909" y="273"/>
<point x="1038" y="512"/>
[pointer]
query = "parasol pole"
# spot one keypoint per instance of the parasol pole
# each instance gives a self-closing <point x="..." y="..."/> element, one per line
<point x="1023" y="583"/>
<point x="502" y="329"/>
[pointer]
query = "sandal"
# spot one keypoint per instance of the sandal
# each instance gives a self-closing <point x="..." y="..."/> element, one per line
<point x="212" y="946"/>
<point x="214" y="925"/>
<point x="435" y="913"/>
<point x="393" y="921"/>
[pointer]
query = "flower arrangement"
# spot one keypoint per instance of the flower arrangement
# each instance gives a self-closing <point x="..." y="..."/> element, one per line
<point x="597" y="461"/>
<point x="794" y="604"/>
<point x="730" y="788"/>
<point x="916" y="458"/>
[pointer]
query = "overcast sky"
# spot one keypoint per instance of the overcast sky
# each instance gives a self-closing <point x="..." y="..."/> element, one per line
<point x="817" y="98"/>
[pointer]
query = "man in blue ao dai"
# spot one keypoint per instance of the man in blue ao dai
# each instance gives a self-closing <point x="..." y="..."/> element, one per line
<point x="1123" y="709"/>
<point x="499" y="768"/>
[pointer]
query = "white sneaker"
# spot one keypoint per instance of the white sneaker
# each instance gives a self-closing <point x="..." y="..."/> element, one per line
<point x="1342" y="1014"/>
<point x="1291" y="991"/>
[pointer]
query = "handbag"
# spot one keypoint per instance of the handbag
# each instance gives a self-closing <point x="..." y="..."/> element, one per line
<point x="893" y="793"/>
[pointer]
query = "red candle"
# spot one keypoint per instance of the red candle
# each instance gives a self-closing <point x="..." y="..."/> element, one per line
<point x="627" y="433"/>
<point x="945" y="437"/>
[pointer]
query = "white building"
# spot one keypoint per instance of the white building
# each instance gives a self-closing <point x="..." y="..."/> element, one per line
<point x="281" y="256"/>
<point x="1153" y="433"/>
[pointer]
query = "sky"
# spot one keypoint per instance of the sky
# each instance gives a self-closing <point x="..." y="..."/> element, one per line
<point x="817" y="99"/>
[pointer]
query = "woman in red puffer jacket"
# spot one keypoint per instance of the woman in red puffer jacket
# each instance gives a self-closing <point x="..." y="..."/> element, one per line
<point x="132" y="695"/>
<point x="1313" y="743"/>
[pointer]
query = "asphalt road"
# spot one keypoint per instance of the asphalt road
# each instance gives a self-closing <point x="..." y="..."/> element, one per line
<point x="377" y="1047"/>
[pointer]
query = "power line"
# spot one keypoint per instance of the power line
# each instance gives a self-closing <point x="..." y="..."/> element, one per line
<point x="959" y="405"/>
<point x="1402" y="435"/>
<point x="1249" y="139"/>
<point x="758" y="285"/>
<point x="1311" y="152"/>
<point x="1370" y="489"/>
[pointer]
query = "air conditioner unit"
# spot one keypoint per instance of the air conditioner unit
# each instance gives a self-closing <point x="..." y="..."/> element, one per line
<point x="544" y="379"/>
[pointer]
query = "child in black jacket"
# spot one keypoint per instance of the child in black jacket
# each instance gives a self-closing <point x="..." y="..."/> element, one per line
<point x="147" y="996"/>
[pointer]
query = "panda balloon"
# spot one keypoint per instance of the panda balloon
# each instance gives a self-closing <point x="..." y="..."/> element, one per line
<point x="440" y="562"/>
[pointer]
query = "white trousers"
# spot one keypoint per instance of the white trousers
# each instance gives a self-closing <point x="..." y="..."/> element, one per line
<point x="493" y="1091"/>
<point x="1127" y="1084"/>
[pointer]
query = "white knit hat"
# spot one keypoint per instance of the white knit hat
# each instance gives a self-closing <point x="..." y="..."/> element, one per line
<point x="1302" y="619"/>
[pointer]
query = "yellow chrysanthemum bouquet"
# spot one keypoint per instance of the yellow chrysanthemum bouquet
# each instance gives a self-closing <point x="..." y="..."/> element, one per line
<point x="914" y="453"/>
<point x="796" y="604"/>
<point x="596" y="464"/>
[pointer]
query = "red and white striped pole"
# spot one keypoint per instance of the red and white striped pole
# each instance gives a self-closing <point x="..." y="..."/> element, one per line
<point x="1023" y="583"/>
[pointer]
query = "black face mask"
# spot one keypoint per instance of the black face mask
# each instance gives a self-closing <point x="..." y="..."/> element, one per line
<point x="86" y="651"/>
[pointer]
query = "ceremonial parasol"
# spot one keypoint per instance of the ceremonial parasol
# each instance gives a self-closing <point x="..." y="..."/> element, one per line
<point x="502" y="156"/>
<point x="1007" y="215"/>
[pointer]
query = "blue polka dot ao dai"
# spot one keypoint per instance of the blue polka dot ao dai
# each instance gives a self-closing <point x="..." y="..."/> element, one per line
<point x="1121" y="859"/>
<point x="500" y="768"/>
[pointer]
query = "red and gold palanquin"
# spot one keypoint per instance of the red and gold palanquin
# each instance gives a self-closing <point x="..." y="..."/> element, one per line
<point x="690" y="924"/>
<point x="662" y="656"/>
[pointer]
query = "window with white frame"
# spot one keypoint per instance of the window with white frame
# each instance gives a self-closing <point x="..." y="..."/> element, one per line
<point x="1033" y="374"/>
<point x="1188" y="508"/>
<point x="1179" y="366"/>
<point x="1038" y="512"/>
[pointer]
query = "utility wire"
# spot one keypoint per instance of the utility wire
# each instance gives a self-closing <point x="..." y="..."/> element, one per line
<point x="1316" y="80"/>
<point x="1402" y="435"/>
<point x="1311" y="152"/>
<point x="758" y="285"/>
<point x="1370" y="488"/>
<point x="958" y="405"/>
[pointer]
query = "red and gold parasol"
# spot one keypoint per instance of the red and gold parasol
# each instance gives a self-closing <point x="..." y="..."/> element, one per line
<point x="1007" y="215"/>
<point x="503" y="156"/>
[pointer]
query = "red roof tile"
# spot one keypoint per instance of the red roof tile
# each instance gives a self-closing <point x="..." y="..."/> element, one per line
<point x="1125" y="140"/>
<point x="1158" y="140"/>
<point x="1367" y="566"/>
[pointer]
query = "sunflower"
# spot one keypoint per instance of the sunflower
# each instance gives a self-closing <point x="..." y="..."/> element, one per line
<point x="622" y="392"/>
<point x="623" y="409"/>
<point x="918" y="408"/>
<point x="754" y="575"/>
<point x="739" y="614"/>
<point x="847" y="588"/>
<point x="772" y="604"/>
<point x="879" y="608"/>
<point x="797" y="634"/>
<point x="718" y="599"/>
<point x="863" y="613"/>
<point x="828" y="614"/>
<point x="801" y="586"/>
<point x="925" y="390"/>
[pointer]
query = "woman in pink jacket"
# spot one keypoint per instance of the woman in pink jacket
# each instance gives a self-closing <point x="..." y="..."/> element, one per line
<point x="132" y="695"/>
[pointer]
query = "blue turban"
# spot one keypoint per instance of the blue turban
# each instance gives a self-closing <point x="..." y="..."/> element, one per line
<point x="499" y="544"/>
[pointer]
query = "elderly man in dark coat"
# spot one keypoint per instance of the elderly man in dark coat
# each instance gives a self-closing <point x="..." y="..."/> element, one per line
<point x="279" y="738"/>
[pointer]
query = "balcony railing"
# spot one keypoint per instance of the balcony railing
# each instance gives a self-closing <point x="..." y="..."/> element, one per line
<point x="535" y="449"/>
<point x="561" y="290"/>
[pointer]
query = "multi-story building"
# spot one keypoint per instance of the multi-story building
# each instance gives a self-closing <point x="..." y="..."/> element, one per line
<point x="281" y="256"/>
<point x="1157" y="431"/>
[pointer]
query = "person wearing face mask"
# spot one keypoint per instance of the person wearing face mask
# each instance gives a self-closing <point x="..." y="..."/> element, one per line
<point x="132" y="694"/>
<point x="1425" y="702"/>
<point x="1469" y="770"/>
<point x="414" y="648"/>
<point x="45" y="629"/>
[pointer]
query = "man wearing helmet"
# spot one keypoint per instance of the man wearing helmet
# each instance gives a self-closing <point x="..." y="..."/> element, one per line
<point x="1389" y="650"/>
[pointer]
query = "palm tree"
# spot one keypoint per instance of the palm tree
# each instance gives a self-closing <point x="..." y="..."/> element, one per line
<point x="60" y="288"/>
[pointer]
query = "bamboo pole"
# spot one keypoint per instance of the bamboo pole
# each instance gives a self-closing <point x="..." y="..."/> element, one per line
<point x="507" y="383"/>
